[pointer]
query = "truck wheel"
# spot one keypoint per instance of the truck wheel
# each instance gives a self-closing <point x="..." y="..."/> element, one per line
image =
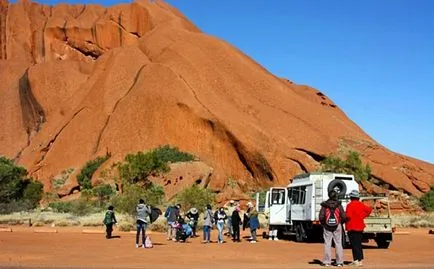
<point x="298" y="233"/>
<point x="382" y="243"/>
<point x="339" y="185"/>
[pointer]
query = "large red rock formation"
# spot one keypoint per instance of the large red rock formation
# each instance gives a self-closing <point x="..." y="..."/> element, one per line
<point x="79" y="81"/>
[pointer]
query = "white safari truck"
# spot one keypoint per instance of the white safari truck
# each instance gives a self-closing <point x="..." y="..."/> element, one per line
<point x="294" y="210"/>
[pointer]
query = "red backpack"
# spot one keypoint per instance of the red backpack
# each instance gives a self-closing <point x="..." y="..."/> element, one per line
<point x="332" y="217"/>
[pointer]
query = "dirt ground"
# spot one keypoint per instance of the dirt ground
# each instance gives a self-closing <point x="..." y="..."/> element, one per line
<point x="70" y="248"/>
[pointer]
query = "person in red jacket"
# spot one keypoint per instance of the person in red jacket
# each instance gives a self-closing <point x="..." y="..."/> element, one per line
<point x="356" y="212"/>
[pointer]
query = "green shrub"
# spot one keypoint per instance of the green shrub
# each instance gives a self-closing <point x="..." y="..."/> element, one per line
<point x="103" y="192"/>
<point x="11" y="180"/>
<point x="86" y="173"/>
<point x="427" y="200"/>
<point x="195" y="196"/>
<point x="125" y="227"/>
<point x="352" y="164"/>
<point x="17" y="193"/>
<point x="126" y="202"/>
<point x="167" y="153"/>
<point x="137" y="167"/>
<point x="33" y="193"/>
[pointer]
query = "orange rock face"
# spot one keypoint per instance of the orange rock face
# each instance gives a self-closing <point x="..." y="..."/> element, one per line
<point x="80" y="81"/>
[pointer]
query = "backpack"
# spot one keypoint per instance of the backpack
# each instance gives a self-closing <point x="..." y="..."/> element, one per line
<point x="155" y="213"/>
<point x="108" y="219"/>
<point x="332" y="217"/>
<point x="148" y="242"/>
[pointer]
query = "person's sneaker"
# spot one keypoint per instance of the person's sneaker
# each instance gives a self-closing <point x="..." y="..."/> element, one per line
<point x="339" y="265"/>
<point x="276" y="239"/>
<point x="269" y="238"/>
<point x="325" y="265"/>
<point x="143" y="246"/>
<point x="137" y="245"/>
<point x="355" y="264"/>
<point x="253" y="241"/>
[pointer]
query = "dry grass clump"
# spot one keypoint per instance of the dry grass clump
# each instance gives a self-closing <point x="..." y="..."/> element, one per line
<point x="414" y="221"/>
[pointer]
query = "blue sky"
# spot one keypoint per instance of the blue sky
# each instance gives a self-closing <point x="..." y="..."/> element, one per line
<point x="375" y="59"/>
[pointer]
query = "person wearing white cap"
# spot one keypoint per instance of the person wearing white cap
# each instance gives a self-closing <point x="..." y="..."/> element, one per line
<point x="356" y="213"/>
<point x="193" y="216"/>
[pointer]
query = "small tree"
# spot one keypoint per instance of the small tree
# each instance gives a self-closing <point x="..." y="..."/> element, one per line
<point x="127" y="201"/>
<point x="11" y="180"/>
<point x="86" y="173"/>
<point x="195" y="196"/>
<point x="427" y="200"/>
<point x="352" y="164"/>
<point x="103" y="192"/>
<point x="33" y="193"/>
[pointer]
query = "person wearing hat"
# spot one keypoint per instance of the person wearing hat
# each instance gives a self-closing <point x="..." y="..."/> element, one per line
<point x="230" y="207"/>
<point x="193" y="216"/>
<point x="356" y="213"/>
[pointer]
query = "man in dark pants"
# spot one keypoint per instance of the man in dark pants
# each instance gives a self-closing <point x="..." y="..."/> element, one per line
<point x="356" y="213"/>
<point x="143" y="212"/>
<point x="109" y="220"/>
<point x="235" y="222"/>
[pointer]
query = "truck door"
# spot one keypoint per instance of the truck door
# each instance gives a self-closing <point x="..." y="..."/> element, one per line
<point x="278" y="206"/>
<point x="298" y="200"/>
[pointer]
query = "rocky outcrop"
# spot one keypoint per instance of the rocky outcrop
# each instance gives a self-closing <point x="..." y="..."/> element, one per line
<point x="83" y="80"/>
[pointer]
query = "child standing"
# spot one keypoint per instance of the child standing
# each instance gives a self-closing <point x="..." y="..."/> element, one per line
<point x="109" y="220"/>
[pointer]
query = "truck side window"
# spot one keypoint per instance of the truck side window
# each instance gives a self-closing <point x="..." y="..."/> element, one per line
<point x="298" y="195"/>
<point x="278" y="197"/>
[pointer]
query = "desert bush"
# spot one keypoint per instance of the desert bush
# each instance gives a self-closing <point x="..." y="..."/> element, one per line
<point x="138" y="167"/>
<point x="125" y="227"/>
<point x="414" y="221"/>
<point x="352" y="164"/>
<point x="126" y="201"/>
<point x="17" y="192"/>
<point x="103" y="193"/>
<point x="427" y="200"/>
<point x="79" y="207"/>
<point x="160" y="225"/>
<point x="195" y="196"/>
<point x="33" y="193"/>
<point x="86" y="173"/>
<point x="167" y="153"/>
<point x="66" y="223"/>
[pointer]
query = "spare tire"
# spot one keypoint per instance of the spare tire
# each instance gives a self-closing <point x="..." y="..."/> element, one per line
<point x="339" y="186"/>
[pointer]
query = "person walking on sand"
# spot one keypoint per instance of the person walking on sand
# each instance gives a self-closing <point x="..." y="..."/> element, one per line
<point x="220" y="218"/>
<point x="208" y="221"/>
<point x="356" y="213"/>
<point x="143" y="212"/>
<point x="236" y="222"/>
<point x="172" y="213"/>
<point x="109" y="220"/>
<point x="253" y="221"/>
<point x="331" y="217"/>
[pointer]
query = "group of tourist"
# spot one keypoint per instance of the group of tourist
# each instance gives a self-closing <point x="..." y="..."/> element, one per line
<point x="332" y="215"/>
<point x="227" y="216"/>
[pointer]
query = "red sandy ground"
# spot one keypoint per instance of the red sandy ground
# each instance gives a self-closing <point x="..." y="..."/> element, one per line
<point x="69" y="248"/>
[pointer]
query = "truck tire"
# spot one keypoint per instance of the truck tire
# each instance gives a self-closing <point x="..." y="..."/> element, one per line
<point x="299" y="234"/>
<point x="381" y="243"/>
<point x="339" y="184"/>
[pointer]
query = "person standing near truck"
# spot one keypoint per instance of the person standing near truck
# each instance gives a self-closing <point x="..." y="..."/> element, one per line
<point x="355" y="224"/>
<point x="331" y="217"/>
